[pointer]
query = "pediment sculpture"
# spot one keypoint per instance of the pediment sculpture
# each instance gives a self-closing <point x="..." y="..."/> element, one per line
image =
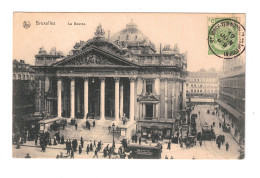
<point x="92" y="59"/>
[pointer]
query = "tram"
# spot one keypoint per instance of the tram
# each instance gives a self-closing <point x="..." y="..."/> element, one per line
<point x="136" y="151"/>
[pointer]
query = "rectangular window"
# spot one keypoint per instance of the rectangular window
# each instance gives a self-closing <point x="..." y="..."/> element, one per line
<point x="149" y="86"/>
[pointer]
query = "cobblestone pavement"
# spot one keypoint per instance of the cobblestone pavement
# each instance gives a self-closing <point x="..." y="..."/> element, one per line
<point x="208" y="150"/>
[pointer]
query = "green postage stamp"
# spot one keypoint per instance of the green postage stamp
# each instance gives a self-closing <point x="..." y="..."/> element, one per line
<point x="226" y="37"/>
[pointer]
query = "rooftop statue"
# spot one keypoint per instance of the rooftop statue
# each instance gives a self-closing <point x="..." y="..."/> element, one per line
<point x="99" y="31"/>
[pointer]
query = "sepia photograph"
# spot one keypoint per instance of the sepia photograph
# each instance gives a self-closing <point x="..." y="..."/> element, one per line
<point x="128" y="86"/>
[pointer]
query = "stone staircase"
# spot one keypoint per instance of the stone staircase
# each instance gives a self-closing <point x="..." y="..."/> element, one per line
<point x="99" y="133"/>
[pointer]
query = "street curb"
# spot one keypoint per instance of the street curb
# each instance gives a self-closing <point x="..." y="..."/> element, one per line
<point x="232" y="135"/>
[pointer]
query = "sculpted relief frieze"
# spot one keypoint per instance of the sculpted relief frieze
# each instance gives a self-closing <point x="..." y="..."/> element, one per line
<point x="91" y="59"/>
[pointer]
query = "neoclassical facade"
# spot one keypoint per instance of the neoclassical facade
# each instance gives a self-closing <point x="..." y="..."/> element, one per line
<point x="108" y="78"/>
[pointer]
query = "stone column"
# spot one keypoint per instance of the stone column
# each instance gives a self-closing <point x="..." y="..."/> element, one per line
<point x="78" y="99"/>
<point x="121" y="99"/>
<point x="173" y="97"/>
<point x="184" y="95"/>
<point x="102" y="99"/>
<point x="157" y="84"/>
<point x="166" y="100"/>
<point x="117" y="99"/>
<point x="72" y="97"/>
<point x="177" y="93"/>
<point x="85" y="97"/>
<point x="132" y="99"/>
<point x="59" y="96"/>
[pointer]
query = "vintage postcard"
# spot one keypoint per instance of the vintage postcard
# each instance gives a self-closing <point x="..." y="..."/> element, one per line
<point x="128" y="86"/>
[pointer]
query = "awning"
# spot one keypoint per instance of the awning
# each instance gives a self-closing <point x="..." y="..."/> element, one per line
<point x="231" y="110"/>
<point x="46" y="121"/>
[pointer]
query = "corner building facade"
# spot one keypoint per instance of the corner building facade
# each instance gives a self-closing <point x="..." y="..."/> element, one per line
<point x="108" y="78"/>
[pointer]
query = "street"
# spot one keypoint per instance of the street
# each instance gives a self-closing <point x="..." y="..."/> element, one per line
<point x="208" y="150"/>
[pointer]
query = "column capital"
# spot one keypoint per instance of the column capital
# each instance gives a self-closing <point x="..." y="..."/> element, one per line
<point x="59" y="78"/>
<point x="164" y="79"/>
<point x="117" y="79"/>
<point x="85" y="78"/>
<point x="72" y="78"/>
<point x="102" y="78"/>
<point x="132" y="79"/>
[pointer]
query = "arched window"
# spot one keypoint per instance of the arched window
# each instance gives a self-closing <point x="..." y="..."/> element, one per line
<point x="19" y="76"/>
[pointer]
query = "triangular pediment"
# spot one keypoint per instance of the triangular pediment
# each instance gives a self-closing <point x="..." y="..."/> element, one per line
<point x="148" y="98"/>
<point x="94" y="56"/>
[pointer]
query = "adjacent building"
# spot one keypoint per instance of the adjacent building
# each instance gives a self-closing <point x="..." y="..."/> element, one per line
<point x="23" y="92"/>
<point x="232" y="95"/>
<point x="109" y="78"/>
<point x="202" y="87"/>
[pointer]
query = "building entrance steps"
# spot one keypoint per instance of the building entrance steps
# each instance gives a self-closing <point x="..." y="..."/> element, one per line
<point x="99" y="133"/>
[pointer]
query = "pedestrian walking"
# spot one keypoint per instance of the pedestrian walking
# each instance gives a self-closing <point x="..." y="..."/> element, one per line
<point x="72" y="154"/>
<point x="82" y="142"/>
<point x="166" y="157"/>
<point x="140" y="140"/>
<point x="219" y="144"/>
<point x="50" y="142"/>
<point x="80" y="149"/>
<point x="76" y="125"/>
<point x="169" y="145"/>
<point x="227" y="146"/>
<point x="54" y="142"/>
<point x="96" y="154"/>
<point x="27" y="155"/>
<point x="200" y="143"/>
<point x="91" y="147"/>
<point x="87" y="149"/>
<point x="35" y="141"/>
<point x="94" y="143"/>
<point x="94" y="123"/>
<point x="62" y="139"/>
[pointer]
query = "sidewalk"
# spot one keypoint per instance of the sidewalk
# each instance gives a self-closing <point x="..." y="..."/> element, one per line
<point x="232" y="130"/>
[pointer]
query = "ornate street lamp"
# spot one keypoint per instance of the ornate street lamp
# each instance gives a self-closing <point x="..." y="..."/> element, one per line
<point x="113" y="127"/>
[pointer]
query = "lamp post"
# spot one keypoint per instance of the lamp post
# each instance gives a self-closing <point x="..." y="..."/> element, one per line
<point x="113" y="127"/>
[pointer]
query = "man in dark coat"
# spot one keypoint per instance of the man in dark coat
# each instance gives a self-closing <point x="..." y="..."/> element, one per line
<point x="35" y="141"/>
<point x="27" y="155"/>
<point x="91" y="147"/>
<point x="169" y="145"/>
<point x="50" y="142"/>
<point x="94" y="143"/>
<point x="94" y="123"/>
<point x="219" y="144"/>
<point x="62" y="139"/>
<point x="140" y="140"/>
<point x="96" y="154"/>
<point x="87" y="149"/>
<point x="76" y="125"/>
<point x="227" y="146"/>
<point x="82" y="142"/>
<point x="80" y="149"/>
<point x="72" y="154"/>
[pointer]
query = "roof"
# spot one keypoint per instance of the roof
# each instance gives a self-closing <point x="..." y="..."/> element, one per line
<point x="146" y="146"/>
<point x="203" y="74"/>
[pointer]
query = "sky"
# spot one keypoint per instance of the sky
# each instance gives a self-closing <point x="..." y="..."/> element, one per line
<point x="188" y="31"/>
